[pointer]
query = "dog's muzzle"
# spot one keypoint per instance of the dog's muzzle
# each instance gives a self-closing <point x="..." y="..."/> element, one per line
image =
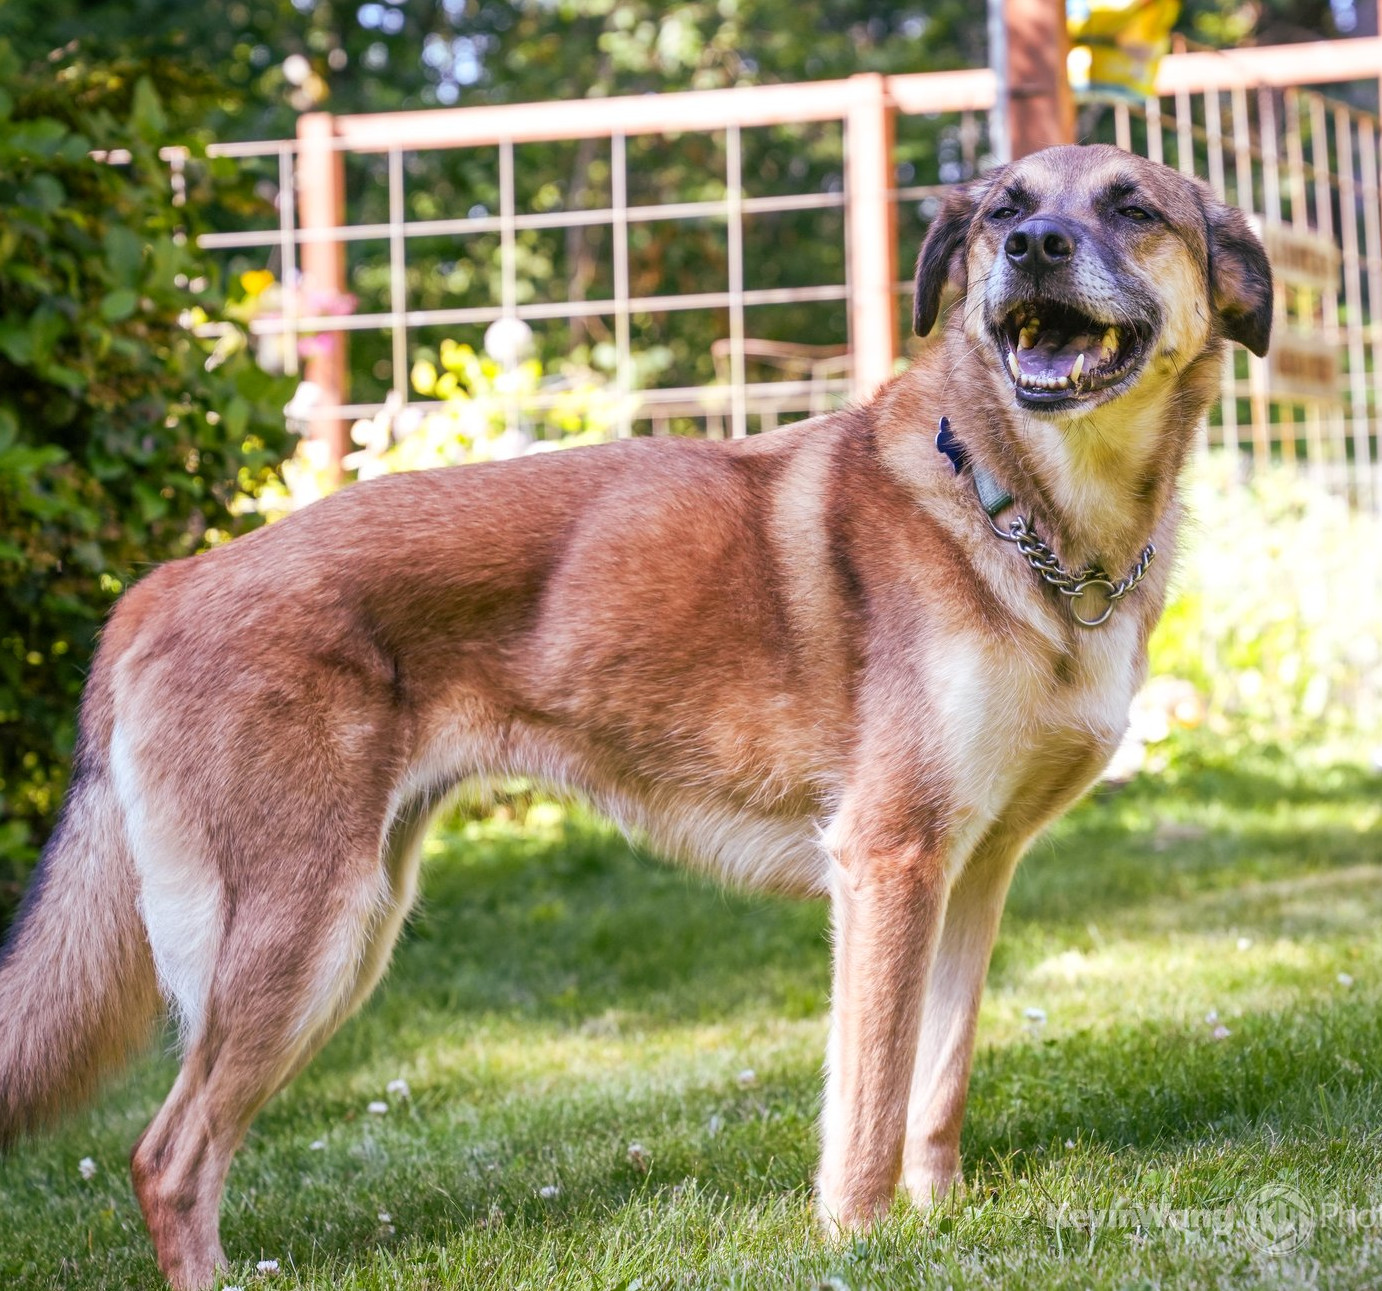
<point x="1058" y="348"/>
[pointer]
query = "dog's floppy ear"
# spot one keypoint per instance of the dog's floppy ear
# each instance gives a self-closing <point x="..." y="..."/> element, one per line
<point x="1240" y="276"/>
<point x="942" y="255"/>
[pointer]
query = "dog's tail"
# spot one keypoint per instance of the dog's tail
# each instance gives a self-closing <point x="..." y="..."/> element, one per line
<point x="77" y="983"/>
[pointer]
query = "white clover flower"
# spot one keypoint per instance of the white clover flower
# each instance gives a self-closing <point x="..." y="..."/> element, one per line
<point x="269" y="1268"/>
<point x="399" y="1088"/>
<point x="1345" y="979"/>
<point x="86" y="1167"/>
<point x="1212" y="1017"/>
<point x="548" y="1191"/>
<point x="1244" y="943"/>
<point x="1221" y="1033"/>
<point x="638" y="1157"/>
<point x="747" y="1078"/>
<point x="1034" y="1015"/>
<point x="377" y="1108"/>
<point x="385" y="1217"/>
<point x="317" y="1145"/>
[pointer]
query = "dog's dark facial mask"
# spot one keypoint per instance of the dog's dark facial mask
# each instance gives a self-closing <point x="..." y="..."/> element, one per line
<point x="1084" y="268"/>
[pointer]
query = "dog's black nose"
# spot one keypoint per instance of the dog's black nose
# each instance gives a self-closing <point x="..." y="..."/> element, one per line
<point x="1040" y="243"/>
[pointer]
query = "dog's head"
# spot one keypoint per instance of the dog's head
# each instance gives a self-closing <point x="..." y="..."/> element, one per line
<point x="1088" y="272"/>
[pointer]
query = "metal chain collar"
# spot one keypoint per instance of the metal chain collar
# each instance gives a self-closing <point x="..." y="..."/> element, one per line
<point x="1074" y="585"/>
<point x="995" y="499"/>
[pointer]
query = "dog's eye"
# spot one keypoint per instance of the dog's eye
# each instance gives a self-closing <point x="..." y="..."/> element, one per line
<point x="1140" y="214"/>
<point x="1003" y="213"/>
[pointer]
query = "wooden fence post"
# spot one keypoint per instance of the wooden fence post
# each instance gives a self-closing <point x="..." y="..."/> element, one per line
<point x="1040" y="107"/>
<point x="321" y="209"/>
<point x="870" y="233"/>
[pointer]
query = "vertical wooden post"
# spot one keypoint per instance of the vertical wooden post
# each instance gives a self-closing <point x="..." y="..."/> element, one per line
<point x="870" y="233"/>
<point x="1041" y="109"/>
<point x="321" y="208"/>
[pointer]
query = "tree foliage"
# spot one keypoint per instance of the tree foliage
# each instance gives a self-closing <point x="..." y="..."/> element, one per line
<point x="117" y="447"/>
<point x="375" y="55"/>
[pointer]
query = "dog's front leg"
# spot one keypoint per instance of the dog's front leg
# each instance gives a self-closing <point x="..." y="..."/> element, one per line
<point x="888" y="902"/>
<point x="940" y="1080"/>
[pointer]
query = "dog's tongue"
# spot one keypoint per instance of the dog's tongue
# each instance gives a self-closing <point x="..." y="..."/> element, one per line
<point x="1051" y="354"/>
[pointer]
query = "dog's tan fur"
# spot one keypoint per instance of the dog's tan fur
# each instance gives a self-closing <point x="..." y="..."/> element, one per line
<point x="801" y="661"/>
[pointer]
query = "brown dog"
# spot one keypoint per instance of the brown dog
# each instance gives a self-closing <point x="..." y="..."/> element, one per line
<point x="808" y="660"/>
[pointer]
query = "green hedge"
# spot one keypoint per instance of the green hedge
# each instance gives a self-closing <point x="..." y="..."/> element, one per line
<point x="118" y="447"/>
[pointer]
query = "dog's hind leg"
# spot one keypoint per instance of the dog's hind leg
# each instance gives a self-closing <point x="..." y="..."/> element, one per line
<point x="402" y="855"/>
<point x="286" y="974"/>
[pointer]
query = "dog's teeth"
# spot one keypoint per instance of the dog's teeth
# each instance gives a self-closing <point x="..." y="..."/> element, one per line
<point x="1063" y="383"/>
<point x="1026" y="338"/>
<point x="1077" y="367"/>
<point x="1109" y="346"/>
<point x="1012" y="366"/>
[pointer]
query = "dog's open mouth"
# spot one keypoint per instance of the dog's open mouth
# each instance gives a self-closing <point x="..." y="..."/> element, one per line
<point x="1055" y="353"/>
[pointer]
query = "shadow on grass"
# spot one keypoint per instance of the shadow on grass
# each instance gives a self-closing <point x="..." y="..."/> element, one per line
<point x="1311" y="1069"/>
<point x="1206" y="824"/>
<point x="572" y="925"/>
<point x="569" y="928"/>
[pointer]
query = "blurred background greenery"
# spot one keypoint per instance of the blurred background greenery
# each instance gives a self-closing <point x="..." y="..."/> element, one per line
<point x="126" y="440"/>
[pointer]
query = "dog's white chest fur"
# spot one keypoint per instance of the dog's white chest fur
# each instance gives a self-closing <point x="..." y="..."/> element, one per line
<point x="1018" y="732"/>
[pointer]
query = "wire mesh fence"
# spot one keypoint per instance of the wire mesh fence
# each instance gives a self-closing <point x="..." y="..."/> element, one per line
<point x="729" y="260"/>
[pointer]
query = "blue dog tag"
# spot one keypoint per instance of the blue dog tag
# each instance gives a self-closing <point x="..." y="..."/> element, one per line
<point x="993" y="497"/>
<point x="951" y="447"/>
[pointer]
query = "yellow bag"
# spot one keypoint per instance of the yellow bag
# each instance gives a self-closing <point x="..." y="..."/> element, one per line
<point x="1117" y="44"/>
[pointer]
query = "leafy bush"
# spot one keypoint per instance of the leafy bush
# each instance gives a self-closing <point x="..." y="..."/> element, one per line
<point x="486" y="411"/>
<point x="1274" y="633"/>
<point x="118" y="447"/>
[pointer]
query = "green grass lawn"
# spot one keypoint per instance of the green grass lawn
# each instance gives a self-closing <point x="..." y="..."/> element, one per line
<point x="560" y="997"/>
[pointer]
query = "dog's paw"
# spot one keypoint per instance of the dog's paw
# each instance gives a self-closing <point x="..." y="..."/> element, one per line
<point x="929" y="1182"/>
<point x="838" y="1219"/>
